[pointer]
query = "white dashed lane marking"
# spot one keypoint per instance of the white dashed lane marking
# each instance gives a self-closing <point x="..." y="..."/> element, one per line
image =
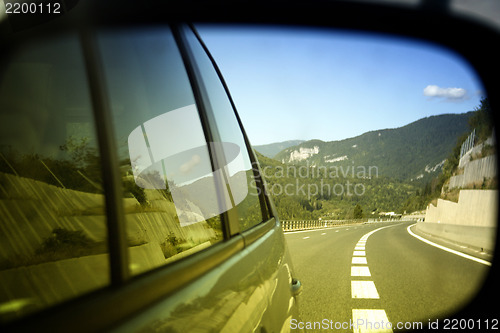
<point x="370" y="320"/>
<point x="360" y="271"/>
<point x="367" y="320"/>
<point x="363" y="289"/>
<point x="359" y="260"/>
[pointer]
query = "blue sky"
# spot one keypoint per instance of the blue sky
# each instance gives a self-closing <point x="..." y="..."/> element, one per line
<point x="312" y="84"/>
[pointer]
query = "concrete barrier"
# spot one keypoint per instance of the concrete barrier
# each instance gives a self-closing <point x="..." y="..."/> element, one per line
<point x="471" y="222"/>
<point x="474" y="208"/>
<point x="481" y="238"/>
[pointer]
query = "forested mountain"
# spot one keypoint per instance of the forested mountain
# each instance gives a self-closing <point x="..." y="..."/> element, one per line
<point x="306" y="192"/>
<point x="415" y="152"/>
<point x="389" y="170"/>
<point x="270" y="150"/>
<point x="480" y="121"/>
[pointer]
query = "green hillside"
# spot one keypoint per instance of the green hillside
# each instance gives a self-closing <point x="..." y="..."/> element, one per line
<point x="306" y="192"/>
<point x="412" y="152"/>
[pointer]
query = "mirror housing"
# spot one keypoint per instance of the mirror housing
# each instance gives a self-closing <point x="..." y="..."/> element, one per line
<point x="473" y="40"/>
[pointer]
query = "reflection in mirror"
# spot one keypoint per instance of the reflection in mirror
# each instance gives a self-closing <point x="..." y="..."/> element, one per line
<point x="170" y="191"/>
<point x="53" y="243"/>
<point x="385" y="144"/>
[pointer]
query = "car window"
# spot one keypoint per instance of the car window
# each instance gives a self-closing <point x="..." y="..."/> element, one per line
<point x="53" y="238"/>
<point x="170" y="194"/>
<point x="239" y="169"/>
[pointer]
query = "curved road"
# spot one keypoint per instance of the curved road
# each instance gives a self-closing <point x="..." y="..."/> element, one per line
<point x="358" y="278"/>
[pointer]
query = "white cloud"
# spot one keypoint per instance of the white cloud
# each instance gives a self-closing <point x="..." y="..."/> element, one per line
<point x="189" y="165"/>
<point x="449" y="94"/>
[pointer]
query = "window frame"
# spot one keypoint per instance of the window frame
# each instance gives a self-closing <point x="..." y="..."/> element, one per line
<point x="215" y="153"/>
<point x="112" y="185"/>
<point x="197" y="82"/>
<point x="264" y="201"/>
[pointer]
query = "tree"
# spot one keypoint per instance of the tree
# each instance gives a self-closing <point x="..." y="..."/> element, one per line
<point x="481" y="120"/>
<point x="358" y="212"/>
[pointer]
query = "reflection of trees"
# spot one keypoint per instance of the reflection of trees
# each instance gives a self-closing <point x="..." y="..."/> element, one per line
<point x="77" y="168"/>
<point x="147" y="181"/>
<point x="54" y="223"/>
<point x="249" y="209"/>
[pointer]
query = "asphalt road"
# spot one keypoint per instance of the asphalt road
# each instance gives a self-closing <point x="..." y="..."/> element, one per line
<point x="349" y="274"/>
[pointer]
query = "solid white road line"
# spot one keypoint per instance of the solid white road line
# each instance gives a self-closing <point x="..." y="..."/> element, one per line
<point x="370" y="320"/>
<point x="360" y="271"/>
<point x="365" y="237"/>
<point x="359" y="260"/>
<point x="363" y="289"/>
<point x="481" y="261"/>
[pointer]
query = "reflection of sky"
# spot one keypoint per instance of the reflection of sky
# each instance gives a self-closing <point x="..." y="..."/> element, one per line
<point x="45" y="99"/>
<point x="227" y="124"/>
<point x="145" y="75"/>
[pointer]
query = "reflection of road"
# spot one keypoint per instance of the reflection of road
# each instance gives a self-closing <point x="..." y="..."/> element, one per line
<point x="406" y="278"/>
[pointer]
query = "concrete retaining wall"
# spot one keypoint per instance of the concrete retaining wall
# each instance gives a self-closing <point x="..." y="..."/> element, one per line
<point x="475" y="151"/>
<point x="30" y="210"/>
<point x="475" y="171"/>
<point x="472" y="221"/>
<point x="474" y="208"/>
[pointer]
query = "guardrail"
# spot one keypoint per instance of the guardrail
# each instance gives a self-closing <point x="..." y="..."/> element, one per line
<point x="289" y="225"/>
<point x="296" y="225"/>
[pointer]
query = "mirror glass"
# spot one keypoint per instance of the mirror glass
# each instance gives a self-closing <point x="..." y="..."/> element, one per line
<point x="381" y="152"/>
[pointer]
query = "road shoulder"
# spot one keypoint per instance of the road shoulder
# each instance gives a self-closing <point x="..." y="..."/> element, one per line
<point x="454" y="246"/>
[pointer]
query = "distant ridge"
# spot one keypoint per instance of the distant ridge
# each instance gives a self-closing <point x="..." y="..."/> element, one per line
<point x="270" y="150"/>
<point x="412" y="152"/>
